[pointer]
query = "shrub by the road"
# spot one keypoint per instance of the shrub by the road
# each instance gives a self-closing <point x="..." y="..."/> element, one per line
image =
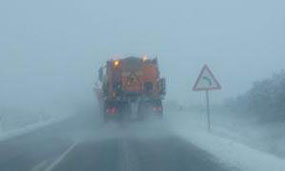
<point x="265" y="100"/>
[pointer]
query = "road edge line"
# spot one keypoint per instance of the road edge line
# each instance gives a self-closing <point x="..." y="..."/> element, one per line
<point x="61" y="157"/>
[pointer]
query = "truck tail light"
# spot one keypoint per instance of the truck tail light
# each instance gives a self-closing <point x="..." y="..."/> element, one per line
<point x="157" y="108"/>
<point x="112" y="110"/>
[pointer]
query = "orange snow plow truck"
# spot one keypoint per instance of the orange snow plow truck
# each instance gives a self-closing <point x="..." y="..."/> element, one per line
<point x="130" y="89"/>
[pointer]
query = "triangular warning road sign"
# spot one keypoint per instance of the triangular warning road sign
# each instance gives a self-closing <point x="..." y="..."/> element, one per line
<point x="206" y="81"/>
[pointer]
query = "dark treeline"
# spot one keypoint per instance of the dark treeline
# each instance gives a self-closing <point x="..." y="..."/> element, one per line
<point x="265" y="100"/>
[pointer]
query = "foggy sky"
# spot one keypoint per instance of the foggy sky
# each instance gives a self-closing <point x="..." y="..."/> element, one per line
<point x="50" y="50"/>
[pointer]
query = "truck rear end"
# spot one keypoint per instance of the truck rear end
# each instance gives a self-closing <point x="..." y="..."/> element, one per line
<point x="131" y="88"/>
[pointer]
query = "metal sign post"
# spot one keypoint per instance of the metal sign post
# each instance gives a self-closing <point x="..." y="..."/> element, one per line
<point x="206" y="82"/>
<point x="208" y="110"/>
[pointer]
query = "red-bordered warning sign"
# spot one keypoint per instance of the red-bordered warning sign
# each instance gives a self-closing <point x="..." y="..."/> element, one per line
<point x="206" y="81"/>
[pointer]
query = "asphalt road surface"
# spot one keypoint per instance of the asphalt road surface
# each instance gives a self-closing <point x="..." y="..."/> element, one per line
<point x="80" y="144"/>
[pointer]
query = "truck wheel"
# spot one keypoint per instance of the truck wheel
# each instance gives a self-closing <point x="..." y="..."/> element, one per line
<point x="105" y="118"/>
<point x="142" y="110"/>
<point x="158" y="109"/>
<point x="160" y="115"/>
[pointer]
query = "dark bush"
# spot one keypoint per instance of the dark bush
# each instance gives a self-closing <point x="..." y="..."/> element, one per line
<point x="265" y="100"/>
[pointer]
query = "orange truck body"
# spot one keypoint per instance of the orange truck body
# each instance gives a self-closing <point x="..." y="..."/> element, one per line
<point x="131" y="79"/>
<point x="133" y="75"/>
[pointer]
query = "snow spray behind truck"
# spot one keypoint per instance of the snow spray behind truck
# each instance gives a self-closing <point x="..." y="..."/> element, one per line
<point x="130" y="88"/>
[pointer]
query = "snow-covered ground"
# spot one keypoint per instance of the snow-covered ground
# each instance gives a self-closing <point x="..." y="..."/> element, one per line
<point x="17" y="122"/>
<point x="28" y="128"/>
<point x="231" y="140"/>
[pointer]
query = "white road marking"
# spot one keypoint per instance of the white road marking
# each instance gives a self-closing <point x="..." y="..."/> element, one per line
<point x="61" y="157"/>
<point x="128" y="161"/>
<point x="40" y="166"/>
